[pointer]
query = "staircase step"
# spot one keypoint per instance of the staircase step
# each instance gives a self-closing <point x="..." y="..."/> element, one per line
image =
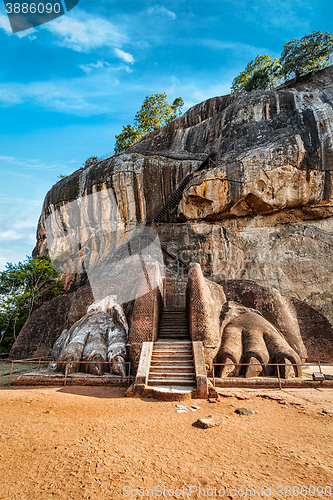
<point x="172" y="359"/>
<point x="177" y="353"/>
<point x="181" y="342"/>
<point x="179" y="382"/>
<point x="174" y="328"/>
<point x="172" y="338"/>
<point x="173" y="322"/>
<point x="174" y="333"/>
<point x="171" y="345"/>
<point x="170" y="374"/>
<point x="182" y="355"/>
<point x="173" y="348"/>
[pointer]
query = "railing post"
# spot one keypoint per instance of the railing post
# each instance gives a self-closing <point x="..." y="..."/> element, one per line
<point x="38" y="364"/>
<point x="66" y="370"/>
<point x="11" y="371"/>
<point x="278" y="372"/>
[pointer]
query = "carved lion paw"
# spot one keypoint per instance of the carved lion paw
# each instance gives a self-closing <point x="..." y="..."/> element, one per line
<point x="248" y="338"/>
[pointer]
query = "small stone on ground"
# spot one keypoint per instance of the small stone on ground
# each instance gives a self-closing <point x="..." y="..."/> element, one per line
<point x="244" y="411"/>
<point x="207" y="423"/>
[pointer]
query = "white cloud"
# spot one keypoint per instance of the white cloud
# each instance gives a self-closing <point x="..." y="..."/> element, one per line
<point x="85" y="32"/>
<point x="160" y="9"/>
<point x="104" y="66"/>
<point x="27" y="33"/>
<point x="86" y="96"/>
<point x="125" y="56"/>
<point x="16" y="201"/>
<point x="193" y="93"/>
<point x="4" y="24"/>
<point x="235" y="46"/>
<point x="7" y="158"/>
<point x="18" y="224"/>
<point x="11" y="235"/>
<point x="32" y="164"/>
<point x="87" y="68"/>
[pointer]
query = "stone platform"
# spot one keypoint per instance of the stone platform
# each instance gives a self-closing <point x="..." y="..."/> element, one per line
<point x="46" y="378"/>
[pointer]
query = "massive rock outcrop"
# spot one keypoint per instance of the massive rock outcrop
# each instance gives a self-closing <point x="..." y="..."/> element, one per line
<point x="257" y="204"/>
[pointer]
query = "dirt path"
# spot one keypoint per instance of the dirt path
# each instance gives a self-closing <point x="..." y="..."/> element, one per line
<point x="92" y="443"/>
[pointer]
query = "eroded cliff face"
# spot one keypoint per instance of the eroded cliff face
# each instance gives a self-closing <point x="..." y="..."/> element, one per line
<point x="261" y="210"/>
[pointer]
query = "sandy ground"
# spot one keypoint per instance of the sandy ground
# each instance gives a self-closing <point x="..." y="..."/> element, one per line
<point x="92" y="443"/>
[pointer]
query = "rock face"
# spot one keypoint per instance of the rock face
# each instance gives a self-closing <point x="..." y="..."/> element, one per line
<point x="257" y="204"/>
<point x="45" y="325"/>
<point x="262" y="211"/>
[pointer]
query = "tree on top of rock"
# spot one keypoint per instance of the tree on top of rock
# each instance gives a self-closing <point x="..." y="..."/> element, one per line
<point x="299" y="57"/>
<point x="260" y="74"/>
<point x="155" y="112"/>
<point x="311" y="53"/>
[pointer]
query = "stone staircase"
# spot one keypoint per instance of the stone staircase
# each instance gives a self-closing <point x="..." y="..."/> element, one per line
<point x="174" y="325"/>
<point x="172" y="364"/>
<point x="172" y="368"/>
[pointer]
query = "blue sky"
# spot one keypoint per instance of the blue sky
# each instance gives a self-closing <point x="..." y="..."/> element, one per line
<point x="68" y="86"/>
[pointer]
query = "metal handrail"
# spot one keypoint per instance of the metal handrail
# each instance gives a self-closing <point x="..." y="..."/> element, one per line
<point x="264" y="365"/>
<point x="40" y="361"/>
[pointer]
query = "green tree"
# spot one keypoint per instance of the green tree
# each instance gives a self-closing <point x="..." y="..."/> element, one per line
<point x="310" y="53"/>
<point x="260" y="74"/>
<point x="23" y="288"/>
<point x="90" y="161"/>
<point x="126" y="138"/>
<point x="155" y="112"/>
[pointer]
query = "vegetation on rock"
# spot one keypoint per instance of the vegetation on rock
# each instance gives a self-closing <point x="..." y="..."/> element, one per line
<point x="299" y="57"/>
<point x="155" y="112"/>
<point x="90" y="161"/>
<point x="260" y="74"/>
<point x="23" y="288"/>
<point x="310" y="53"/>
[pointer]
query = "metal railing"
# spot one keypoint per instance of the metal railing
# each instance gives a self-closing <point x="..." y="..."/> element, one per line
<point x="277" y="365"/>
<point x="176" y="155"/>
<point x="41" y="361"/>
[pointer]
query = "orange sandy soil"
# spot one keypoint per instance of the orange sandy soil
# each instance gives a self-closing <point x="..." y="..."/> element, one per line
<point x="90" y="443"/>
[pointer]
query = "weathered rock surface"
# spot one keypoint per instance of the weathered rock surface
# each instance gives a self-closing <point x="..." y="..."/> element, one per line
<point x="261" y="209"/>
<point x="262" y="212"/>
<point x="45" y="325"/>
<point x="42" y="329"/>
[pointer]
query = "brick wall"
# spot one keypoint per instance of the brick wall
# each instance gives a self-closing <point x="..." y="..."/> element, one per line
<point x="148" y="305"/>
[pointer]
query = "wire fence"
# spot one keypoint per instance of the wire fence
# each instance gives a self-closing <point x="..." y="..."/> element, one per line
<point x="26" y="366"/>
<point x="308" y="364"/>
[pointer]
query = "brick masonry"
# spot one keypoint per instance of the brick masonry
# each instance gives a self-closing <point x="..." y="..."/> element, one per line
<point x="146" y="311"/>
